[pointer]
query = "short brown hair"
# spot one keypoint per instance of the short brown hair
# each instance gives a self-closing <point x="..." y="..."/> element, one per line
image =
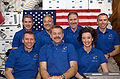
<point x="73" y="12"/>
<point x="101" y="14"/>
<point x="28" y="32"/>
<point x="27" y="16"/>
<point x="56" y="26"/>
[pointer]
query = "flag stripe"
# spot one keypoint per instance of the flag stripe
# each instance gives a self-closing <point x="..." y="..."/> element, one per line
<point x="81" y="17"/>
<point x="87" y="17"/>
<point x="80" y="23"/>
<point x="80" y="14"/>
<point x="80" y="20"/>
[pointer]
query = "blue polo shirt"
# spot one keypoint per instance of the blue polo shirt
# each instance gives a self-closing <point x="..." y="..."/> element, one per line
<point x="57" y="57"/>
<point x="71" y="37"/>
<point x="24" y="64"/>
<point x="90" y="62"/>
<point x="42" y="38"/>
<point x="17" y="40"/>
<point x="106" y="41"/>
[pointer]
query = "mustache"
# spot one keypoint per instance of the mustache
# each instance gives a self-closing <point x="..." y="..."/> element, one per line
<point x="57" y="37"/>
<point x="47" y="25"/>
<point x="74" y="23"/>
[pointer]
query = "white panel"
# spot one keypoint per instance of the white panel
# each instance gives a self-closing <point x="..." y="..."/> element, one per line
<point x="104" y="5"/>
<point x="8" y="44"/>
<point x="5" y="45"/>
<point x="54" y="4"/>
<point x="65" y="4"/>
<point x="2" y="46"/>
<point x="11" y="18"/>
<point x="9" y="31"/>
<point x="77" y="4"/>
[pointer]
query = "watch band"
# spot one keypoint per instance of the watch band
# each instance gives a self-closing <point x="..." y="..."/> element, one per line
<point x="63" y="76"/>
<point x="108" y="55"/>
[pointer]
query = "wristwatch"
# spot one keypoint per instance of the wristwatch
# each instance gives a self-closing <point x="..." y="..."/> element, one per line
<point x="108" y="55"/>
<point x="63" y="76"/>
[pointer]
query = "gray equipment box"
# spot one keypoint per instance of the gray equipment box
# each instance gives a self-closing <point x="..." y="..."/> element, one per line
<point x="103" y="75"/>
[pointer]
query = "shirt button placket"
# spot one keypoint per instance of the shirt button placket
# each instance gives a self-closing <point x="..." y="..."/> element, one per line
<point x="88" y="58"/>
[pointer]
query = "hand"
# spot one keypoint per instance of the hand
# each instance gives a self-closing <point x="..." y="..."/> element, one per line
<point x="55" y="77"/>
<point x="106" y="56"/>
<point x="86" y="78"/>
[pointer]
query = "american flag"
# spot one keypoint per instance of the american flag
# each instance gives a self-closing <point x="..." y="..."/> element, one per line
<point x="87" y="17"/>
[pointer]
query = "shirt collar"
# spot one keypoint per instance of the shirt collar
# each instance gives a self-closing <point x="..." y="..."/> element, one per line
<point x="92" y="50"/>
<point x="23" y="49"/>
<point x="78" y="28"/>
<point x="44" y="32"/>
<point x="59" y="45"/>
<point x="24" y="30"/>
<point x="107" y="30"/>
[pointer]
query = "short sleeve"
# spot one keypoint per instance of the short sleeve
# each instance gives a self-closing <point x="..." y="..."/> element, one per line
<point x="11" y="60"/>
<point x="72" y="53"/>
<point x="16" y="41"/>
<point x="38" y="43"/>
<point x="64" y="38"/>
<point x="43" y="54"/>
<point x="116" y="39"/>
<point x="102" y="57"/>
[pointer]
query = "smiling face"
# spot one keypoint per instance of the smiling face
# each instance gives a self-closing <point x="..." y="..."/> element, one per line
<point x="102" y="22"/>
<point x="28" y="40"/>
<point x="48" y="23"/>
<point x="28" y="23"/>
<point x="73" y="21"/>
<point x="57" y="35"/>
<point x="87" y="39"/>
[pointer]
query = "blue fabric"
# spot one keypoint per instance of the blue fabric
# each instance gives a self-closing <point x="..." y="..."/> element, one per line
<point x="107" y="41"/>
<point x="42" y="38"/>
<point x="57" y="57"/>
<point x="90" y="62"/>
<point x="24" y="64"/>
<point x="17" y="40"/>
<point x="71" y="37"/>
